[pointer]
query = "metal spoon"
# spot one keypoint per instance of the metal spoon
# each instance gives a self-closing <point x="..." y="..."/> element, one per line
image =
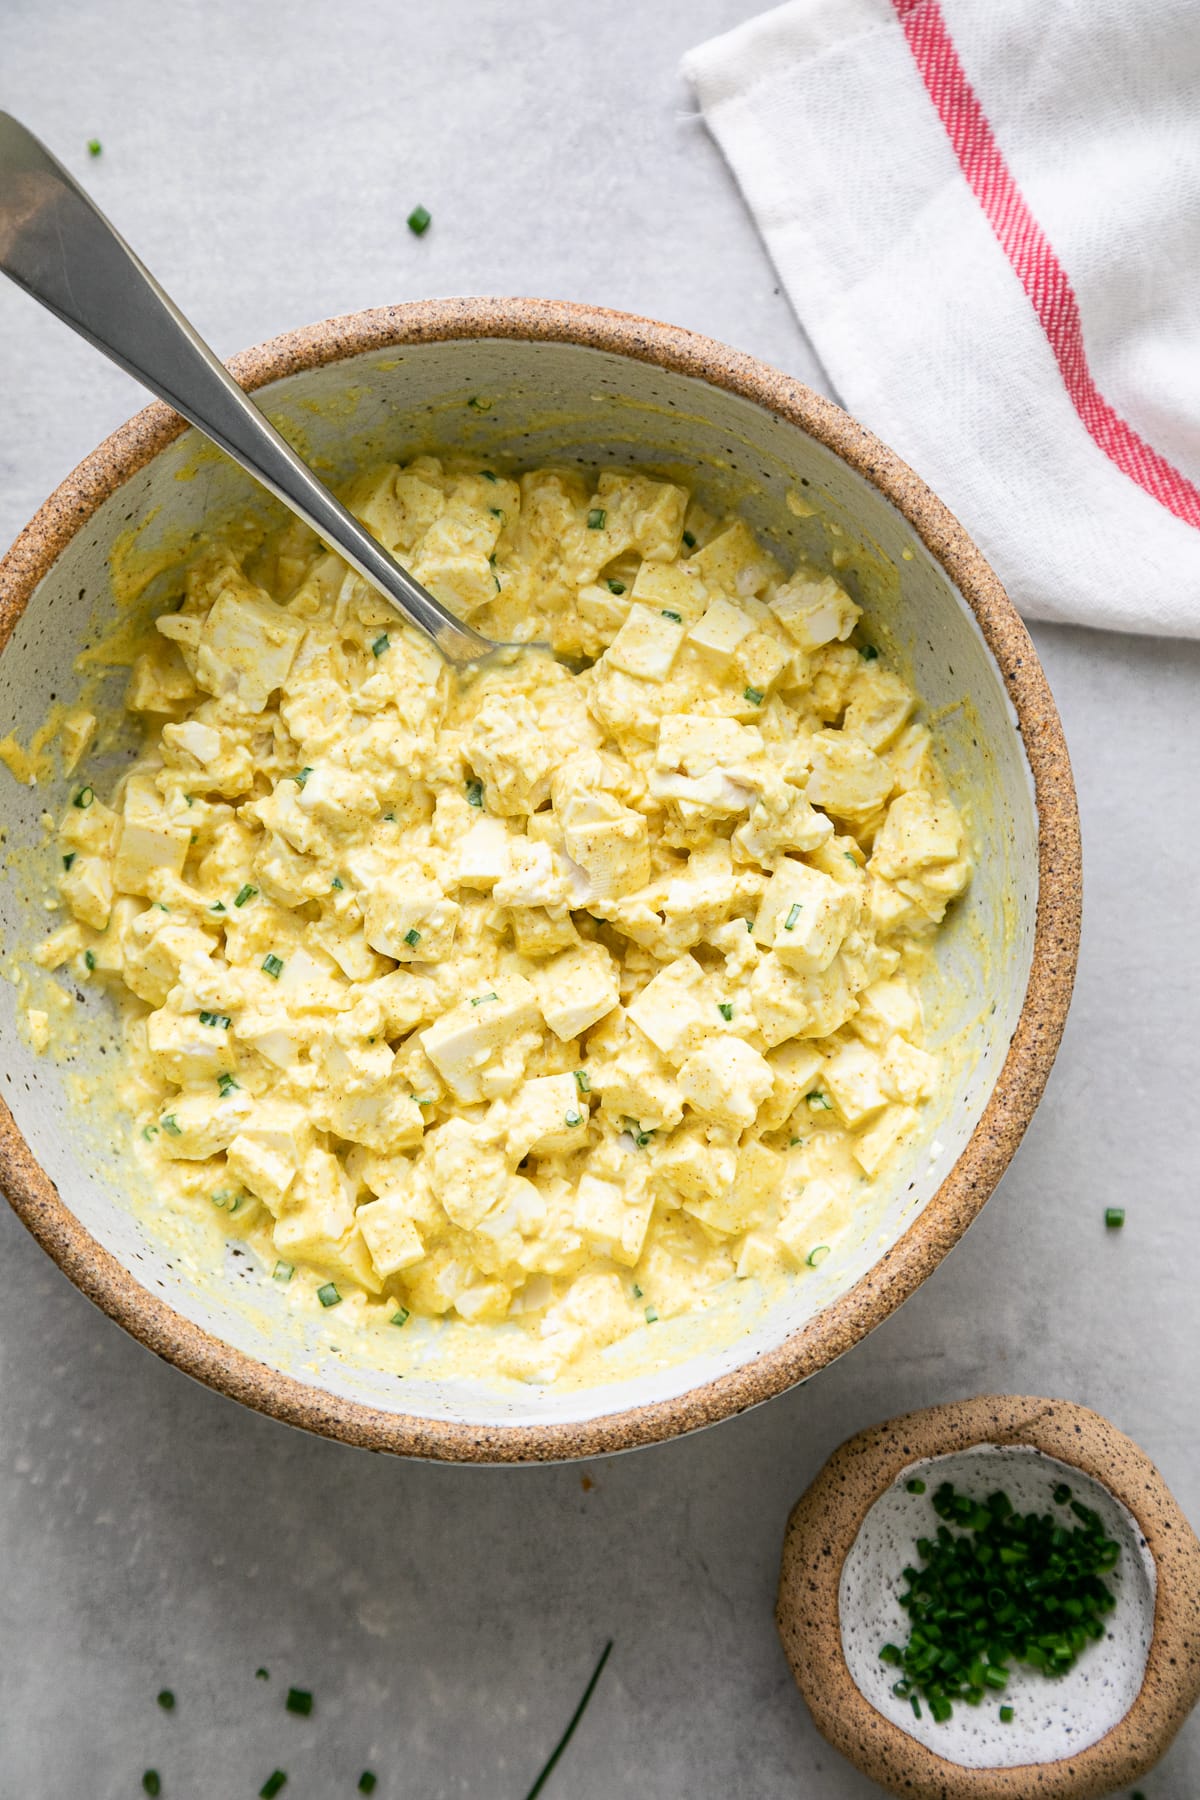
<point x="60" y="248"/>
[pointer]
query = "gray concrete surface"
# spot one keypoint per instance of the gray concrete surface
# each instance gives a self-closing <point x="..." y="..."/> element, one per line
<point x="263" y="158"/>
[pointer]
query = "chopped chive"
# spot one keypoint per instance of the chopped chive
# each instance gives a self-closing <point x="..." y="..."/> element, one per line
<point x="754" y="696"/>
<point x="676" y="618"/>
<point x="84" y="798"/>
<point x="412" y="937"/>
<point x="640" y="1137"/>
<point x="868" y="652"/>
<point x="272" y="965"/>
<point x="725" y="1008"/>
<point x="337" y="884"/>
<point x="221" y="1020"/>
<point x="68" y="859"/>
<point x="94" y="146"/>
<point x="166" y="1699"/>
<point x="283" y="1272"/>
<point x="190" y="798"/>
<point x="916" y="1706"/>
<point x="481" y="999"/>
<point x="419" y="1100"/>
<point x="497" y="513"/>
<point x="217" y="906"/>
<point x="262" y="1674"/>
<point x="583" y="1081"/>
<point x="573" y="1118"/>
<point x="152" y="1782"/>
<point x="689" y="538"/>
<point x="1006" y="1718"/>
<point x="474" y="793"/>
<point x="1114" y="1217"/>
<point x="477" y="403"/>
<point x="651" y="1315"/>
<point x="419" y="220"/>
<point x="488" y="474"/>
<point x="400" y="1316"/>
<point x="382" y="643"/>
<point x="614" y="586"/>
<point x="818" y="1101"/>
<point x="272" y="1785"/>
<point x="597" y="519"/>
<point x="749" y="924"/>
<point x="915" y="1486"/>
<point x="149" y="1131"/>
<point x="328" y="1295"/>
<point x="226" y="1083"/>
<point x="299" y="1700"/>
<point x="161" y="907"/>
<point x="817" y="1255"/>
<point x="1062" y="1494"/>
<point x="300" y="777"/>
<point x="552" y="1760"/>
<point x="171" y="1125"/>
<point x="243" y="894"/>
<point x="390" y="817"/>
<point x="637" y="1292"/>
<point x="794" y="911"/>
<point x="89" y="959"/>
<point x="367" y="1782"/>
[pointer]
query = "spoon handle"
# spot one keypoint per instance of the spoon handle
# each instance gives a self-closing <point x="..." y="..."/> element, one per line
<point x="56" y="245"/>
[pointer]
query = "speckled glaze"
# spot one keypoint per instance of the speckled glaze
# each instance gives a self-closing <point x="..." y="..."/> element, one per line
<point x="1054" y="936"/>
<point x="826" y="1524"/>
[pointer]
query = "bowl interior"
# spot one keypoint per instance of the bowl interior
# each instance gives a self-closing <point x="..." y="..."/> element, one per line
<point x="541" y="402"/>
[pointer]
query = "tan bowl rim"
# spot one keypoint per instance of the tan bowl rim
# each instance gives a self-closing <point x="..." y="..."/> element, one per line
<point x="821" y="1532"/>
<point x="1056" y="940"/>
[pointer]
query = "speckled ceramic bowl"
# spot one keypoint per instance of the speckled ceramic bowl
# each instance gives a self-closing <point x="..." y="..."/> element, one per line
<point x="1099" y="1727"/>
<point x="559" y="382"/>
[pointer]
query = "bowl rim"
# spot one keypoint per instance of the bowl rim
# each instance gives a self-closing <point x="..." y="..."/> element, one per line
<point x="1018" y="1087"/>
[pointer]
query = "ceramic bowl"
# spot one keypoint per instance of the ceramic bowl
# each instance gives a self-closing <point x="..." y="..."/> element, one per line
<point x="1099" y="1727"/>
<point x="527" y="382"/>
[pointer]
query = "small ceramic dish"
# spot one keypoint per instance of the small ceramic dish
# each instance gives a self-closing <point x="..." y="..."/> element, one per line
<point x="1096" y="1728"/>
<point x="523" y="383"/>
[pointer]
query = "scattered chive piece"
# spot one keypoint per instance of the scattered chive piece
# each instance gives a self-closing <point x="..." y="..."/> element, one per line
<point x="915" y="1486"/>
<point x="272" y="1785"/>
<point x="243" y="894"/>
<point x="689" y="538"/>
<point x="1061" y="1495"/>
<point x="637" y="1292"/>
<point x="651" y="1315"/>
<point x="166" y="1700"/>
<point x="89" y="959"/>
<point x="382" y="643"/>
<point x="597" y="519"/>
<point x="400" y="1316"/>
<point x="725" y="1008"/>
<point x="328" y="1295"/>
<point x="152" y="1782"/>
<point x="1006" y="1718"/>
<point x="272" y="965"/>
<point x="818" y="1101"/>
<point x="641" y="1138"/>
<point x="497" y="513"/>
<point x="480" y="999"/>
<point x="817" y="1255"/>
<point x="754" y="696"/>
<point x="94" y="146"/>
<point x="675" y="618"/>
<point x="413" y="936"/>
<point x="262" y="1674"/>
<point x="367" y="1782"/>
<point x="583" y="1081"/>
<point x="337" y="883"/>
<point x="573" y="1117"/>
<point x="794" y="911"/>
<point x="749" y="924"/>
<point x="283" y="1273"/>
<point x="474" y="793"/>
<point x="479" y="404"/>
<point x="221" y="1020"/>
<point x="868" y="652"/>
<point x="419" y="220"/>
<point x="149" y="1131"/>
<point x="488" y="474"/>
<point x="84" y="798"/>
<point x="68" y="859"/>
<point x="1114" y="1217"/>
<point x="916" y="1706"/>
<point x="390" y="817"/>
<point x="301" y="777"/>
<point x="614" y="586"/>
<point x="217" y="906"/>
<point x="569" y="1733"/>
<point x="226" y="1083"/>
<point x="299" y="1700"/>
<point x="171" y="1125"/>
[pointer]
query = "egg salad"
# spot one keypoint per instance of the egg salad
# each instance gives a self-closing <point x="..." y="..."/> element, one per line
<point x="555" y="992"/>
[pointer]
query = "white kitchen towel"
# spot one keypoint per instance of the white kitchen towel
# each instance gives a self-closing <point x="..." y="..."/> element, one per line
<point x="987" y="217"/>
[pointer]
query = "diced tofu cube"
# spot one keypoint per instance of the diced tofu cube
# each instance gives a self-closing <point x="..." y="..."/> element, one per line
<point x="464" y="1040"/>
<point x="88" y="890"/>
<point x="466" y="1170"/>
<point x="200" y="1122"/>
<point x="794" y="1069"/>
<point x="811" y="1219"/>
<point x="760" y="660"/>
<point x="717" y="635"/>
<point x="760" y="1256"/>
<point x="577" y="989"/>
<point x="351" y="952"/>
<point x="735" y="562"/>
<point x="512" y="756"/>
<point x="788" y="1004"/>
<point x="537" y="932"/>
<point x="78" y="730"/>
<point x="697" y="744"/>
<point x="608" y="840"/>
<point x="390" y="1235"/>
<point x="667" y="588"/>
<point x="602" y="609"/>
<point x="186" y="1051"/>
<point x="744" y="1201"/>
<point x="699" y="1166"/>
<point x="483" y="854"/>
<point x="676" y="1009"/>
<point x="725" y="1080"/>
<point x="546" y="1114"/>
<point x="646" y="645"/>
<point x="615" y="1225"/>
<point x="151" y="843"/>
<point x="880" y="704"/>
<point x="247" y="647"/>
<point x="384" y="1120"/>
<point x="412" y="921"/>
<point x="269" y="1149"/>
<point x="482" y="1301"/>
<point x="847" y="779"/>
<point x="853" y="1077"/>
<point x="886" y="1008"/>
<point x="885" y="1138"/>
<point x="908" y="1073"/>
<point x="815" y="610"/>
<point x="199" y="741"/>
<point x="917" y="833"/>
<point x="647" y="514"/>
<point x="804" y="916"/>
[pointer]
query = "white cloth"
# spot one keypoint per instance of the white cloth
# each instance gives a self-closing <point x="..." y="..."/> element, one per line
<point x="840" y="120"/>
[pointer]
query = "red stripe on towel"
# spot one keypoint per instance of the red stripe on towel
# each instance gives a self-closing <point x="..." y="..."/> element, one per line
<point x="1032" y="257"/>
